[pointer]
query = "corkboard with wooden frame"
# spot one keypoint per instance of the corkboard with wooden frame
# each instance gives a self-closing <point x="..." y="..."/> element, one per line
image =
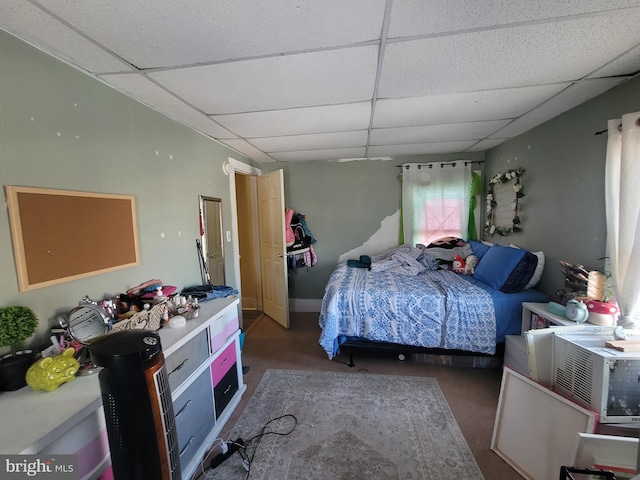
<point x="62" y="235"/>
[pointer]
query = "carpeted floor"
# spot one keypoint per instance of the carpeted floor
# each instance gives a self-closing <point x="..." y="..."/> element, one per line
<point x="335" y="426"/>
<point x="472" y="394"/>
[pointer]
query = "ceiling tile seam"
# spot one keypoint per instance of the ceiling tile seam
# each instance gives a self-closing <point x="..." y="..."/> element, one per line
<point x="612" y="61"/>
<point x="365" y="43"/>
<point x="168" y="115"/>
<point x="381" y="49"/>
<point x="294" y="135"/>
<point x="526" y="23"/>
<point x="490" y="136"/>
<point x="83" y="35"/>
<point x="481" y="90"/>
<point x="249" y="112"/>
<point x="420" y="125"/>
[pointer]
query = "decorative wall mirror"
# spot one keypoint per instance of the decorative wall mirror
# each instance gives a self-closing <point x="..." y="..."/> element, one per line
<point x="503" y="203"/>
<point x="212" y="250"/>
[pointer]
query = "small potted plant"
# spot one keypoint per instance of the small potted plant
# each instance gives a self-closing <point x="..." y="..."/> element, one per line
<point x="17" y="323"/>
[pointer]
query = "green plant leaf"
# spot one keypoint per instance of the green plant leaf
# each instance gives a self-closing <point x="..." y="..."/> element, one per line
<point x="17" y="323"/>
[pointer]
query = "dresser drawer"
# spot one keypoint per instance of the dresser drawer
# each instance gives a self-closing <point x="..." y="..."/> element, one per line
<point x="226" y="389"/>
<point x="195" y="416"/>
<point x="222" y="328"/>
<point x="223" y="362"/>
<point x="184" y="361"/>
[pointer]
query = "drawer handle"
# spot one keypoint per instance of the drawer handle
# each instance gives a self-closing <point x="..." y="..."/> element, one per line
<point x="184" y="362"/>
<point x="186" y="446"/>
<point x="224" y="361"/>
<point x="184" y="407"/>
<point x="227" y="390"/>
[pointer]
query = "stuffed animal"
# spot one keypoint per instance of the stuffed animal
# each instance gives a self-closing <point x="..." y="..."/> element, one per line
<point x="458" y="264"/>
<point x="470" y="264"/>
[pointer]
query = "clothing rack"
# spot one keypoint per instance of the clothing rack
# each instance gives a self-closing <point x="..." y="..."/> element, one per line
<point x="442" y="164"/>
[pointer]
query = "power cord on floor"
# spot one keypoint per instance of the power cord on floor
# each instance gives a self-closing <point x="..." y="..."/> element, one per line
<point x="248" y="455"/>
<point x="218" y="443"/>
<point x="247" y="449"/>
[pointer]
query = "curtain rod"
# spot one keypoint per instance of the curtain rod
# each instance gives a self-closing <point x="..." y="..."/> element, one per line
<point x="619" y="128"/>
<point x="442" y="164"/>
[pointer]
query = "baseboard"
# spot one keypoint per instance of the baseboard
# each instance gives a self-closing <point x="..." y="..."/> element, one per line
<point x="305" y="304"/>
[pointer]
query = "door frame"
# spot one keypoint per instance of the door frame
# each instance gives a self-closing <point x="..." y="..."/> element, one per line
<point x="230" y="167"/>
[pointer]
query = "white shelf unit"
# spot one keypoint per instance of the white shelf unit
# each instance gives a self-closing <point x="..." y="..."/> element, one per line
<point x="540" y="311"/>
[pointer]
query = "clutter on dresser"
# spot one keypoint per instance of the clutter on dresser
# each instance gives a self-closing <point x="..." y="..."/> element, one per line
<point x="587" y="293"/>
<point x="209" y="292"/>
<point x="49" y="373"/>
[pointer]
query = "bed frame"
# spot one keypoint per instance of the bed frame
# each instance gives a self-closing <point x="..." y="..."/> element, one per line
<point x="439" y="356"/>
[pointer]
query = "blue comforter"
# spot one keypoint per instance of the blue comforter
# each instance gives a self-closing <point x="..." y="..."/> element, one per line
<point x="435" y="309"/>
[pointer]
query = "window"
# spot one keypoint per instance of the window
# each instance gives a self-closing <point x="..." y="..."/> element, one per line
<point x="435" y="201"/>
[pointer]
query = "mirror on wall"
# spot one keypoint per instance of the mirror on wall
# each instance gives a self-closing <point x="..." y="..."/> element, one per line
<point x="212" y="241"/>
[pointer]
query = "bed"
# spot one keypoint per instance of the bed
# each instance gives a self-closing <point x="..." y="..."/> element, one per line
<point x="412" y="301"/>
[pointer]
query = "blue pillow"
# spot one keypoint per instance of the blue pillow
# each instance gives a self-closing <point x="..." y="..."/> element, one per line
<point x="506" y="269"/>
<point x="479" y="248"/>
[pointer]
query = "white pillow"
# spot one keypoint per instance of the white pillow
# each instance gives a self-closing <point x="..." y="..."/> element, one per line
<point x="539" y="268"/>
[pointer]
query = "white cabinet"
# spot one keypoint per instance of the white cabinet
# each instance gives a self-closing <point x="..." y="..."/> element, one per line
<point x="204" y="365"/>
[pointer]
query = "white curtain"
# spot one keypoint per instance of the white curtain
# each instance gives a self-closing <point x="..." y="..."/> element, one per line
<point x="622" y="184"/>
<point x="435" y="201"/>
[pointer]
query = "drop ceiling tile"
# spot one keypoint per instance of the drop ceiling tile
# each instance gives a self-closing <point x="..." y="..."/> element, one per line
<point x="247" y="149"/>
<point x="29" y="23"/>
<point x="301" y="80"/>
<point x="509" y="57"/>
<point x="484" y="145"/>
<point x="164" y="32"/>
<point x="147" y="92"/>
<point x="419" y="149"/>
<point x="316" y="141"/>
<point x="571" y="97"/>
<point x="626" y="64"/>
<point x="419" y="17"/>
<point x="435" y="133"/>
<point x="313" y="155"/>
<point x="297" y="121"/>
<point x="461" y="107"/>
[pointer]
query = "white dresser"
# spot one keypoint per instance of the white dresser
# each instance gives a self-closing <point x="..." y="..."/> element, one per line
<point x="205" y="374"/>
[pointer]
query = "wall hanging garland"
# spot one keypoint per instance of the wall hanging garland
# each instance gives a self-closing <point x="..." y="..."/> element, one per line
<point x="500" y="179"/>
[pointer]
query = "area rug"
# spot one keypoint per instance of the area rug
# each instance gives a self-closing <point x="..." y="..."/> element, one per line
<point x="348" y="426"/>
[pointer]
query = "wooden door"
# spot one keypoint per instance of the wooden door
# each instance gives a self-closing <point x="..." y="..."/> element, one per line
<point x="273" y="253"/>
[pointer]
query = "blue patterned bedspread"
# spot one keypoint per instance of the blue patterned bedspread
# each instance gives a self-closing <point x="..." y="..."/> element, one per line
<point x="435" y="309"/>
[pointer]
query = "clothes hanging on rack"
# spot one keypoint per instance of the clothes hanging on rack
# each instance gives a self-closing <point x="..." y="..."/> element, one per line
<point x="303" y="237"/>
<point x="302" y="258"/>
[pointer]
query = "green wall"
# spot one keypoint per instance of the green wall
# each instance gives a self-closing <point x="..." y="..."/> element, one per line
<point x="345" y="204"/>
<point x="563" y="211"/>
<point x="60" y="128"/>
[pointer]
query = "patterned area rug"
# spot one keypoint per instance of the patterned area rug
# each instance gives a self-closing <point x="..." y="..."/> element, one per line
<point x="348" y="426"/>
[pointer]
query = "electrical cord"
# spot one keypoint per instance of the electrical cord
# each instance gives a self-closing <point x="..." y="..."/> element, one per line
<point x="248" y="450"/>
<point x="218" y="442"/>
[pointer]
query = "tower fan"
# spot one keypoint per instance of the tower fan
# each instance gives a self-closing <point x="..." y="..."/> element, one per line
<point x="137" y="406"/>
